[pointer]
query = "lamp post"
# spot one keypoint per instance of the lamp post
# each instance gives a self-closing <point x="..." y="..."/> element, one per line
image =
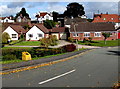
<point x="76" y="35"/>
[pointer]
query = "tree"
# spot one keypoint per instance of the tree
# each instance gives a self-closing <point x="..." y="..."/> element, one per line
<point x="5" y="37"/>
<point x="106" y="35"/>
<point x="49" y="24"/>
<point x="22" y="13"/>
<point x="74" y="10"/>
<point x="55" y="15"/>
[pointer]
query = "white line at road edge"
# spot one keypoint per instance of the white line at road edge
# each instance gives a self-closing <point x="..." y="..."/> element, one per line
<point x="57" y="77"/>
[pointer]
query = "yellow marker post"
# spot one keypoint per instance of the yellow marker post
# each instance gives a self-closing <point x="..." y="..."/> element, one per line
<point x="26" y="56"/>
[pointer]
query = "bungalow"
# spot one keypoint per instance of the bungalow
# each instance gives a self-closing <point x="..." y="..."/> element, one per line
<point x="60" y="32"/>
<point x="113" y="18"/>
<point x="15" y="31"/>
<point x="37" y="32"/>
<point x="94" y="30"/>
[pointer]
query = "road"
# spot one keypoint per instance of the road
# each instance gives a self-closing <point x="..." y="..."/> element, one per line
<point x="98" y="68"/>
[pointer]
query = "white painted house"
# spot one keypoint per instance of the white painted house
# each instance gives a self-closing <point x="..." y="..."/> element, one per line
<point x="14" y="31"/>
<point x="42" y="16"/>
<point x="6" y="19"/>
<point x="37" y="32"/>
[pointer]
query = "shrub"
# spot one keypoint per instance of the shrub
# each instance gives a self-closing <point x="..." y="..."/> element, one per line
<point x="5" y="37"/>
<point x="9" y="57"/>
<point x="45" y="42"/>
<point x="70" y="39"/>
<point x="90" y="39"/>
<point x="51" y="41"/>
<point x="69" y="47"/>
<point x="85" y="40"/>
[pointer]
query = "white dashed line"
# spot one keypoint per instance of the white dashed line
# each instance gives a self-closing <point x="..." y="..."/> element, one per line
<point x="57" y="77"/>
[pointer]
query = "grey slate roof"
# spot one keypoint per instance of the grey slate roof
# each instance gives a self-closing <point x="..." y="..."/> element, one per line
<point x="95" y="27"/>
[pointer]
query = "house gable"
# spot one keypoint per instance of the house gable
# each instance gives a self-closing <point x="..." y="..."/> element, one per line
<point x="35" y="32"/>
<point x="11" y="31"/>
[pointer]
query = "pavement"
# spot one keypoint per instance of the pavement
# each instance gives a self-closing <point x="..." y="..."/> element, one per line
<point x="95" y="69"/>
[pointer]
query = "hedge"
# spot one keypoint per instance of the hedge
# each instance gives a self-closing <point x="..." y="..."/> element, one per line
<point x="37" y="52"/>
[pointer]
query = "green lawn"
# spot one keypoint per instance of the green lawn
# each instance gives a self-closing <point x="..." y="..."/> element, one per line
<point x="17" y="47"/>
<point x="101" y="43"/>
<point x="28" y="43"/>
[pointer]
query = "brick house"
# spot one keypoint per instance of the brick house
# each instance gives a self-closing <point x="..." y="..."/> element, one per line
<point x="94" y="30"/>
<point x="114" y="18"/>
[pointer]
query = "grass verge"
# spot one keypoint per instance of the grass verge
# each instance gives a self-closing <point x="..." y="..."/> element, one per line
<point x="28" y="43"/>
<point x="101" y="43"/>
<point x="17" y="61"/>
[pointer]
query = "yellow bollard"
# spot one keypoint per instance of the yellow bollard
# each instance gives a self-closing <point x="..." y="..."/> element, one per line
<point x="26" y="56"/>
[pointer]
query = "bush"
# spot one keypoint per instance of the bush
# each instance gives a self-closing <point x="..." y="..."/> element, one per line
<point x="69" y="47"/>
<point x="90" y="39"/>
<point x="70" y="39"/>
<point x="9" y="57"/>
<point x="51" y="41"/>
<point x="85" y="40"/>
<point x="5" y="37"/>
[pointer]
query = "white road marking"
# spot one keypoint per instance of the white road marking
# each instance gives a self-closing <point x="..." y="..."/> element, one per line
<point x="57" y="77"/>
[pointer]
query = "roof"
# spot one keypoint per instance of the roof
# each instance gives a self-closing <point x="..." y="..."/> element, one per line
<point x="5" y="25"/>
<point x="58" y="29"/>
<point x="42" y="27"/>
<point x="95" y="27"/>
<point x="108" y="18"/>
<point x="18" y="28"/>
<point x="42" y="14"/>
<point x="68" y="21"/>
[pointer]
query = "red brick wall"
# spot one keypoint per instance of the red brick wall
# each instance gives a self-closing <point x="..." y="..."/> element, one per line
<point x="81" y="36"/>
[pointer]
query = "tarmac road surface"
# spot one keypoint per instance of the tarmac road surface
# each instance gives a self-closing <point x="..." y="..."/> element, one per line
<point x="98" y="68"/>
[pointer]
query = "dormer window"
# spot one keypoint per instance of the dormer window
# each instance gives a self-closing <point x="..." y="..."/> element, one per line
<point x="112" y="18"/>
<point x="104" y="18"/>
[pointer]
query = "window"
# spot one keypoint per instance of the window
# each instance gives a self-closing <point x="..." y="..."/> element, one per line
<point x="86" y="34"/>
<point x="30" y="35"/>
<point x="111" y="34"/>
<point x="112" y="18"/>
<point x="97" y="34"/>
<point x="39" y="35"/>
<point x="14" y="35"/>
<point x="104" y="18"/>
<point x="119" y="18"/>
<point x="47" y="17"/>
<point x="75" y="35"/>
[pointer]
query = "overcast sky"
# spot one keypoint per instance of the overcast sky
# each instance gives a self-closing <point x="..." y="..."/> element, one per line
<point x="11" y="8"/>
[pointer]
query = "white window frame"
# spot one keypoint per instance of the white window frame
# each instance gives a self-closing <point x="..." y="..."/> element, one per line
<point x="40" y="34"/>
<point x="30" y="36"/>
<point x="95" y="34"/>
<point x="86" y="34"/>
<point x="14" y="35"/>
<point x="75" y="35"/>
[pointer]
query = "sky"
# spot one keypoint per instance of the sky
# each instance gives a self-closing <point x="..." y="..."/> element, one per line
<point x="11" y="8"/>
